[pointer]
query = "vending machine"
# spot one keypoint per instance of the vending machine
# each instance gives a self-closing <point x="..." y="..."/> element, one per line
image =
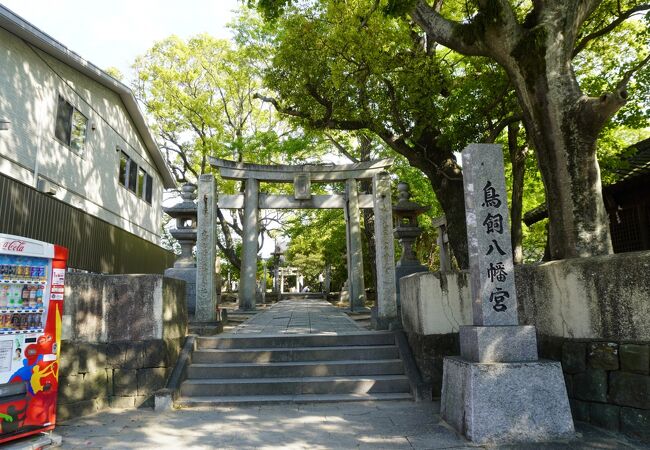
<point x="32" y="283"/>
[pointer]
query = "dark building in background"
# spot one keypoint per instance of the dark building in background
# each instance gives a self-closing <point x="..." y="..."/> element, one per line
<point x="628" y="203"/>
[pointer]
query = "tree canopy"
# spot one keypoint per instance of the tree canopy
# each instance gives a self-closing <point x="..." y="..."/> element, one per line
<point x="567" y="85"/>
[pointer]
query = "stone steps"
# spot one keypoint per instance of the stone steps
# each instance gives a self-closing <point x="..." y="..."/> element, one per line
<point x="260" y="355"/>
<point x="249" y="369"/>
<point x="190" y="402"/>
<point x="297" y="369"/>
<point x="243" y="341"/>
<point x="296" y="385"/>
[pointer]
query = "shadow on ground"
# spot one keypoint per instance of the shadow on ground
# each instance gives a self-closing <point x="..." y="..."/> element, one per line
<point x="378" y="425"/>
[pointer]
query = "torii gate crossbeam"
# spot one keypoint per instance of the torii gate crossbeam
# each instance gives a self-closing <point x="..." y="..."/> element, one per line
<point x="251" y="201"/>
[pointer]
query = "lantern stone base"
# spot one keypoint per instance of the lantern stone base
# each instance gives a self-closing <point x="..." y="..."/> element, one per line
<point x="506" y="402"/>
<point x="187" y="274"/>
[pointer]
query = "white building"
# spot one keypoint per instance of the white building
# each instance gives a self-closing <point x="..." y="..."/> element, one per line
<point x="70" y="130"/>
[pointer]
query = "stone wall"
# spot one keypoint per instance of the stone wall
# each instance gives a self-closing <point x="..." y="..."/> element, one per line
<point x="607" y="381"/>
<point x="121" y="337"/>
<point x="592" y="314"/>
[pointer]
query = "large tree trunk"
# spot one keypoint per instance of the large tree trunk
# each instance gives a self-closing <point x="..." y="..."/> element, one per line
<point x="451" y="195"/>
<point x="563" y="130"/>
<point x="446" y="180"/>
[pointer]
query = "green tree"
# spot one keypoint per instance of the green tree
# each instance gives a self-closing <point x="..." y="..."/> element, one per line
<point x="199" y="94"/>
<point x="562" y="120"/>
<point x="347" y="66"/>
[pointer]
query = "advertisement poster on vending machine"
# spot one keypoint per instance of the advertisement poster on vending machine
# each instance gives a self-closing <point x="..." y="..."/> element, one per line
<point x="32" y="284"/>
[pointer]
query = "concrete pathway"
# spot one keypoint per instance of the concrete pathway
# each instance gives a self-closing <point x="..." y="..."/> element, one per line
<point x="309" y="316"/>
<point x="369" y="425"/>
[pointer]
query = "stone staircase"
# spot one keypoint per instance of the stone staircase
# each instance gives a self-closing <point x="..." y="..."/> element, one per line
<point x="240" y="369"/>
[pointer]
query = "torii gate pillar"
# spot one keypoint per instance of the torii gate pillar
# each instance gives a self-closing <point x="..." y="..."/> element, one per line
<point x="355" y="253"/>
<point x="247" y="286"/>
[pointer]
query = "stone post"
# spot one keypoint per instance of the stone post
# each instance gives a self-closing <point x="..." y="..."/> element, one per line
<point x="264" y="282"/>
<point x="348" y="263"/>
<point x="247" y="283"/>
<point x="498" y="391"/>
<point x="385" y="252"/>
<point x="282" y="283"/>
<point x="206" y="290"/>
<point x="357" y="288"/>
<point x="328" y="279"/>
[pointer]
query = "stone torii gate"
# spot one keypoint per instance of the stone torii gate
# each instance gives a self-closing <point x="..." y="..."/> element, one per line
<point x="251" y="201"/>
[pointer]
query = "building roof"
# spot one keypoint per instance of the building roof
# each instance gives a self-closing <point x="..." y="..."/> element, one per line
<point x="41" y="40"/>
<point x="639" y="164"/>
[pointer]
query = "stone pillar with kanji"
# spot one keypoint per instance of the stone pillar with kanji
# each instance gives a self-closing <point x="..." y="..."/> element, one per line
<point x="498" y="390"/>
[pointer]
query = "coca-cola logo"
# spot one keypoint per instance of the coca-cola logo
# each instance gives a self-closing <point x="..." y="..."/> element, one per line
<point x="14" y="246"/>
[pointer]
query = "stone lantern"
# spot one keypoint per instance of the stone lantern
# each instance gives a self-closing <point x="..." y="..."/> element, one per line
<point x="406" y="231"/>
<point x="184" y="213"/>
<point x="185" y="232"/>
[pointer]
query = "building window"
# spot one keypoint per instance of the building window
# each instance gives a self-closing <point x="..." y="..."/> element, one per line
<point x="142" y="176"/>
<point x="124" y="168"/>
<point x="70" y="127"/>
<point x="135" y="178"/>
<point x="149" y="189"/>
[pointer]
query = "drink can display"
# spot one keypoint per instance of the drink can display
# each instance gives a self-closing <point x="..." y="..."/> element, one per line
<point x="41" y="273"/>
<point x="39" y="296"/>
<point x="32" y="296"/>
<point x="4" y="296"/>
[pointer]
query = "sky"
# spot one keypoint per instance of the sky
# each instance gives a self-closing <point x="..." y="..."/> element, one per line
<point x="113" y="33"/>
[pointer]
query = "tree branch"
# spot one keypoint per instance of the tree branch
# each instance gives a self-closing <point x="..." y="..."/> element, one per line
<point x="627" y="76"/>
<point x="584" y="9"/>
<point x="456" y="36"/>
<point x="326" y="122"/>
<point x="608" y="28"/>
<point x="596" y="111"/>
<point x="341" y="148"/>
<point x="496" y="130"/>
<point x="228" y="248"/>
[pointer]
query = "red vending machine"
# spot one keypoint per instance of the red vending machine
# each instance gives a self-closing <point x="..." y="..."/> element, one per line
<point x="32" y="282"/>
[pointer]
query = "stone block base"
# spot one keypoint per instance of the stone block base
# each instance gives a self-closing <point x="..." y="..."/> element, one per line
<point x="383" y="323"/>
<point x="498" y="343"/>
<point x="206" y="328"/>
<point x="506" y="402"/>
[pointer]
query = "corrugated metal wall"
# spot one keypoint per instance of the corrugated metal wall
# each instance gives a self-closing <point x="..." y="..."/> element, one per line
<point x="94" y="245"/>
